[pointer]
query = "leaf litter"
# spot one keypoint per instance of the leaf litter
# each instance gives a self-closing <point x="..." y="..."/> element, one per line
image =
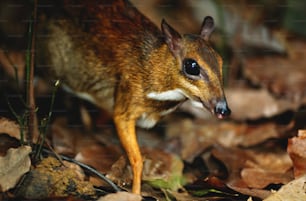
<point x="13" y="166"/>
<point x="259" y="152"/>
<point x="244" y="156"/>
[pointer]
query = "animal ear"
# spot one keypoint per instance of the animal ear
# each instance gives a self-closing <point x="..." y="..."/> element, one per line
<point x="207" y="28"/>
<point x="172" y="37"/>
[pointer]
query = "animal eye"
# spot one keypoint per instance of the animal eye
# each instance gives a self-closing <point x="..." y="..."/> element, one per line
<point x="191" y="67"/>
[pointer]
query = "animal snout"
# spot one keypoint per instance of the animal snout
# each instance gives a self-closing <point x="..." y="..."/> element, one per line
<point x="221" y="109"/>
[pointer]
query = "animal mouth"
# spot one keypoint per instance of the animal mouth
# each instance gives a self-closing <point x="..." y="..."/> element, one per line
<point x="217" y="108"/>
<point x="208" y="106"/>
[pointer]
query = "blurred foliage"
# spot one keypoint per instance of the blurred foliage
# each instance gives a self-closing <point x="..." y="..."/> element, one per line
<point x="295" y="17"/>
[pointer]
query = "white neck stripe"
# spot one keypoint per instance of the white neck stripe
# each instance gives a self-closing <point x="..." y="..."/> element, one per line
<point x="171" y="95"/>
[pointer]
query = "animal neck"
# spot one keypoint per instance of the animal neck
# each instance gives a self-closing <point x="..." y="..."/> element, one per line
<point x="161" y="65"/>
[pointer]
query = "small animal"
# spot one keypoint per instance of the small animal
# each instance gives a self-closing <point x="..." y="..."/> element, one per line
<point x="109" y="53"/>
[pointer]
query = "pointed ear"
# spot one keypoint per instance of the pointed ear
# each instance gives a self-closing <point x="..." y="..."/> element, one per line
<point x="207" y="28"/>
<point x="172" y="38"/>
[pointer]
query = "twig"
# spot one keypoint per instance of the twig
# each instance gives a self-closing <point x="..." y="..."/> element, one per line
<point x="45" y="122"/>
<point x="21" y="119"/>
<point x="32" y="123"/>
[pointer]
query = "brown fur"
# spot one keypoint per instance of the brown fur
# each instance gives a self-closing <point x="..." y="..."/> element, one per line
<point x="115" y="56"/>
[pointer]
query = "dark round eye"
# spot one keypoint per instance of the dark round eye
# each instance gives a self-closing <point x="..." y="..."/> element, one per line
<point x="191" y="67"/>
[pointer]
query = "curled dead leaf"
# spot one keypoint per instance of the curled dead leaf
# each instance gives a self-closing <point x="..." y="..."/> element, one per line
<point x="13" y="166"/>
<point x="197" y="135"/>
<point x="9" y="127"/>
<point x="254" y="168"/>
<point x="254" y="104"/>
<point x="188" y="132"/>
<point x="297" y="151"/>
<point x="293" y="191"/>
<point x="122" y="196"/>
<point x="7" y="142"/>
<point x="260" y="178"/>
<point x="106" y="156"/>
<point x="284" y="76"/>
<point x="161" y="170"/>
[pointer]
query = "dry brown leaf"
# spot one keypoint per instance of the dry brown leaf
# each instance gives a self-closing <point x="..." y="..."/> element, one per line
<point x="284" y="76"/>
<point x="234" y="160"/>
<point x="161" y="170"/>
<point x="122" y="196"/>
<point x="254" y="169"/>
<point x="69" y="140"/>
<point x="297" y="151"/>
<point x="99" y="157"/>
<point x="120" y="172"/>
<point x="254" y="104"/>
<point x="197" y="135"/>
<point x="63" y="137"/>
<point x="271" y="159"/>
<point x="259" y="193"/>
<point x="293" y="191"/>
<point x="188" y="133"/>
<point x="247" y="135"/>
<point x="9" y="127"/>
<point x="7" y="142"/>
<point x="13" y="166"/>
<point x="260" y="178"/>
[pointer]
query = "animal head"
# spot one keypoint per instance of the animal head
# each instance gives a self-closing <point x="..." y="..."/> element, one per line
<point x="199" y="67"/>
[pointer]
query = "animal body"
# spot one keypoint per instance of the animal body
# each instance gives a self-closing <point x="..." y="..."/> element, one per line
<point x="112" y="55"/>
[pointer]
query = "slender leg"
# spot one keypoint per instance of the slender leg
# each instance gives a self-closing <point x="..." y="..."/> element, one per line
<point x="127" y="135"/>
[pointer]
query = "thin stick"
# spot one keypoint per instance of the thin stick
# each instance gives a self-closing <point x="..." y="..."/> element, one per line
<point x="32" y="130"/>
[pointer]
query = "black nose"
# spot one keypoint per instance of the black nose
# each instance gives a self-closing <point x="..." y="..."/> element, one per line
<point x="221" y="109"/>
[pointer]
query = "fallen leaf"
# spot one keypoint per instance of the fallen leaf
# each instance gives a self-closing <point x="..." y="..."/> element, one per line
<point x="297" y="151"/>
<point x="64" y="137"/>
<point x="255" y="103"/>
<point x="293" y="191"/>
<point x="259" y="193"/>
<point x="122" y="196"/>
<point x="162" y="170"/>
<point x="251" y="170"/>
<point x="284" y="77"/>
<point x="9" y="127"/>
<point x="187" y="131"/>
<point x="234" y="160"/>
<point x="68" y="139"/>
<point x="120" y="172"/>
<point x="197" y="135"/>
<point x="270" y="158"/>
<point x="99" y="157"/>
<point x="211" y="187"/>
<point x="13" y="166"/>
<point x="7" y="142"/>
<point x="231" y="134"/>
<point x="260" y="178"/>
